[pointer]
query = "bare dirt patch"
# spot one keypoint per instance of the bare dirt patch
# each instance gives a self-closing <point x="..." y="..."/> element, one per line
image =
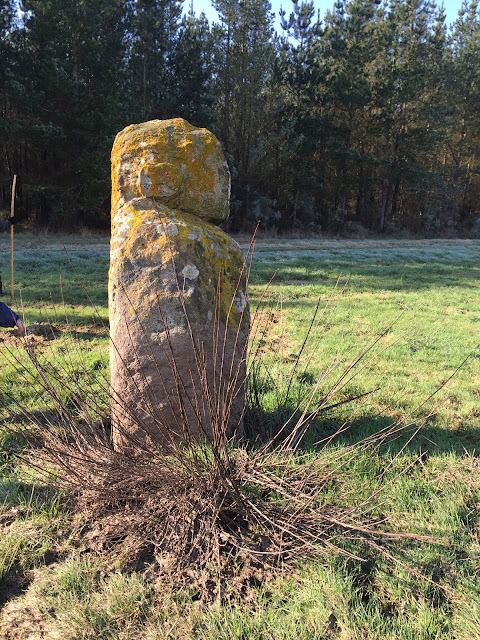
<point x="20" y="619"/>
<point x="37" y="335"/>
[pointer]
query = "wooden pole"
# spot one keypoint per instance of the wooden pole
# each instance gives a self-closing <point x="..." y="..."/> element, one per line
<point x="12" y="214"/>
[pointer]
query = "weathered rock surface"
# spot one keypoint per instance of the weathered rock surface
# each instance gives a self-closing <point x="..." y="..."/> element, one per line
<point x="178" y="315"/>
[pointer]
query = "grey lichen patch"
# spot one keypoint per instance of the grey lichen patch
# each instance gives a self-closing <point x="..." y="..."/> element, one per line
<point x="240" y="301"/>
<point x="190" y="272"/>
<point x="171" y="230"/>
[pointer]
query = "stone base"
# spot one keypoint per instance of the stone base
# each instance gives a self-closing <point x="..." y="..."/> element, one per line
<point x="173" y="392"/>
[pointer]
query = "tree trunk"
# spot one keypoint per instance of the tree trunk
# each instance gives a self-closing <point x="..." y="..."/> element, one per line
<point x="386" y="196"/>
<point x="452" y="209"/>
<point x="393" y="210"/>
<point x="343" y="204"/>
<point x="226" y="89"/>
<point x="360" y="195"/>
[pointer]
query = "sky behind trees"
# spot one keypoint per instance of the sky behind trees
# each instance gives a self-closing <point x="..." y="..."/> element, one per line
<point x="452" y="8"/>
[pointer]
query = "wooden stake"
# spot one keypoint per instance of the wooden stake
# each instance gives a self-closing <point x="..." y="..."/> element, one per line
<point x="12" y="214"/>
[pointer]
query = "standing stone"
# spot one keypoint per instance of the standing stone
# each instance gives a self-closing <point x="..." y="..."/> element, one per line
<point x="178" y="311"/>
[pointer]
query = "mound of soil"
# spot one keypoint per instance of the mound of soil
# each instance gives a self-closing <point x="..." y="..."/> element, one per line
<point x="43" y="329"/>
<point x="37" y="334"/>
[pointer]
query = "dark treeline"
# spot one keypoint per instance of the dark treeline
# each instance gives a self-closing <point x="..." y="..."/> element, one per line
<point x="366" y="120"/>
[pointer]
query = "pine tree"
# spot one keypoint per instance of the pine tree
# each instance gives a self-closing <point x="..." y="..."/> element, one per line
<point x="7" y="168"/>
<point x="407" y="73"/>
<point x="72" y="71"/>
<point x="350" y="47"/>
<point x="244" y="53"/>
<point x="153" y="26"/>
<point x="193" y="94"/>
<point x="462" y="157"/>
<point x="297" y="128"/>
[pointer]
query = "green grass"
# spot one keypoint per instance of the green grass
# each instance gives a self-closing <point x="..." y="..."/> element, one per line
<point x="430" y="291"/>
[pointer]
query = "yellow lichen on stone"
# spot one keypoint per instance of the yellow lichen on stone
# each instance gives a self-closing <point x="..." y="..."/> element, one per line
<point x="159" y="246"/>
<point x="172" y="162"/>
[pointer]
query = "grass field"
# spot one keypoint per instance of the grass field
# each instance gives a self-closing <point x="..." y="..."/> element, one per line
<point x="425" y="297"/>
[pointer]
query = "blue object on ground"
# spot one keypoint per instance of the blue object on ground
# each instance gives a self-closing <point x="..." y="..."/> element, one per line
<point x="8" y="318"/>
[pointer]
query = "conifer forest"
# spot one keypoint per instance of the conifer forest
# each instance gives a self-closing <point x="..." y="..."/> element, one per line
<point x="365" y="119"/>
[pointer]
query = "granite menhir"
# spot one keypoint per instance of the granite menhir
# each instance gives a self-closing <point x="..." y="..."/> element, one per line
<point x="179" y="316"/>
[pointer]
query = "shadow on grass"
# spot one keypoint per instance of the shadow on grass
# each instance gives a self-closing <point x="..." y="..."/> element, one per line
<point x="365" y="277"/>
<point x="77" y="323"/>
<point x="261" y="426"/>
<point x="22" y="500"/>
<point x="14" y="584"/>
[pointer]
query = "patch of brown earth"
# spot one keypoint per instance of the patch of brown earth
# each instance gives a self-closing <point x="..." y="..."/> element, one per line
<point x="21" y="619"/>
<point x="37" y="334"/>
